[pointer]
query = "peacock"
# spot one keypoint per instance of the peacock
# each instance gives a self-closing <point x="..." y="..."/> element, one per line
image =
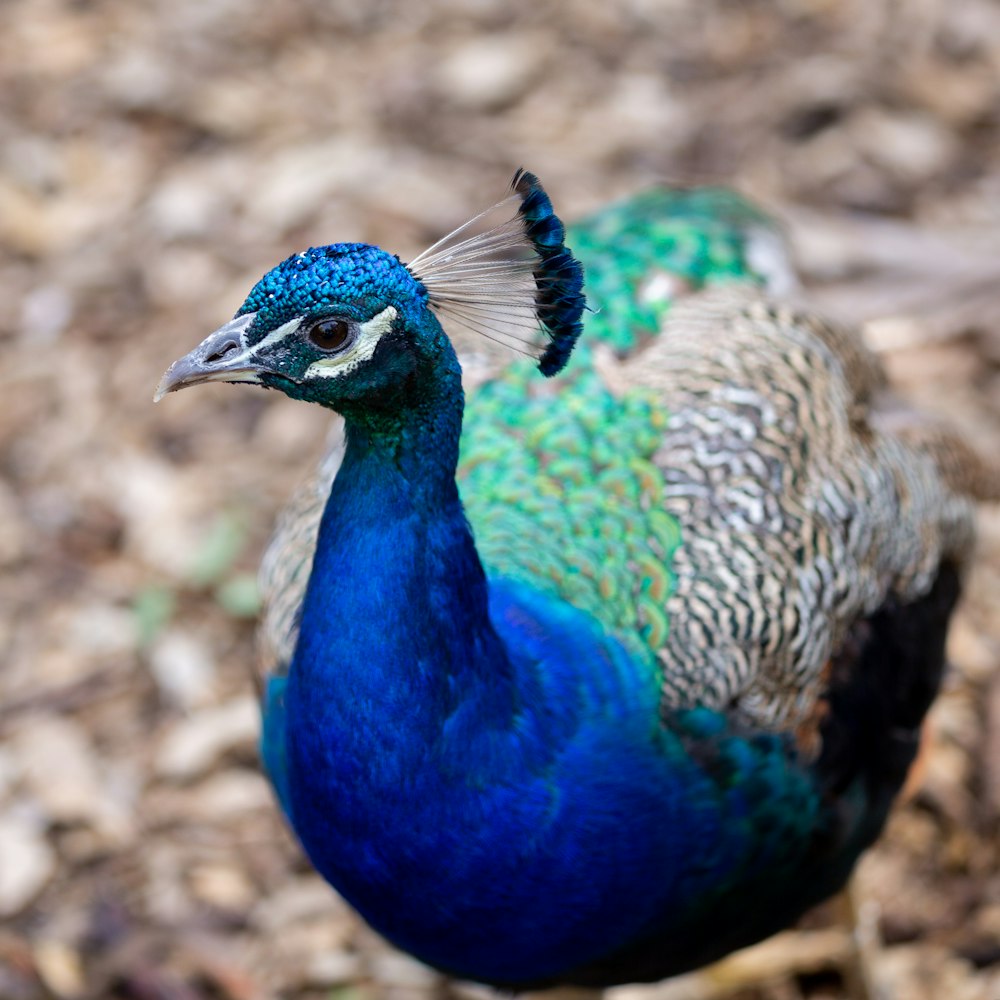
<point x="615" y="666"/>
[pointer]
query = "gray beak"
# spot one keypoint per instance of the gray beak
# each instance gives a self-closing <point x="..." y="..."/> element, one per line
<point x="221" y="357"/>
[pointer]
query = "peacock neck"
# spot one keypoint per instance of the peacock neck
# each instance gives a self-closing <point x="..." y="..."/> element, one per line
<point x="410" y="441"/>
<point x="396" y="614"/>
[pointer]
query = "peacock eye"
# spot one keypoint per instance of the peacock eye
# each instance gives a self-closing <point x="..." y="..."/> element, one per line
<point x="330" y="334"/>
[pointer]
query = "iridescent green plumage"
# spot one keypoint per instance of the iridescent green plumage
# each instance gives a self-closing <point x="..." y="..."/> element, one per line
<point x="566" y="497"/>
<point x="639" y="254"/>
<point x="562" y="491"/>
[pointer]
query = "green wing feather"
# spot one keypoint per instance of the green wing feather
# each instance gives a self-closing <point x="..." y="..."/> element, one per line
<point x="558" y="482"/>
<point x="566" y="497"/>
<point x="640" y="254"/>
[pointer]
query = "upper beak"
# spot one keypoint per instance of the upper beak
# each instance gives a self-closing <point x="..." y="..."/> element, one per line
<point x="221" y="357"/>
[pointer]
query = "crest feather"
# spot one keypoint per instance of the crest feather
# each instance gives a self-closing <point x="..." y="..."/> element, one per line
<point x="511" y="278"/>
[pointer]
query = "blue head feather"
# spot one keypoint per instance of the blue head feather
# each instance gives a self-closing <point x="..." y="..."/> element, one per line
<point x="352" y="278"/>
<point x="352" y="284"/>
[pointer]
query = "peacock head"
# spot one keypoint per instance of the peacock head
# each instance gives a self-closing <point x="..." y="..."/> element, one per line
<point x="349" y="324"/>
<point x="331" y="324"/>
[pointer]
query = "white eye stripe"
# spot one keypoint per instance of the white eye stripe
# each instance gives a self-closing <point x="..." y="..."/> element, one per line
<point x="369" y="334"/>
<point x="276" y="335"/>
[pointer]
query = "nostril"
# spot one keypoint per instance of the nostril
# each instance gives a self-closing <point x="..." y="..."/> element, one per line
<point x="222" y="352"/>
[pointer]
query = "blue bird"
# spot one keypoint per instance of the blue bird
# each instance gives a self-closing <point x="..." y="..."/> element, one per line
<point x="592" y="680"/>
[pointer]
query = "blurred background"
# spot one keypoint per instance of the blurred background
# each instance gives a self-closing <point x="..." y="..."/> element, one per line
<point x="156" y="158"/>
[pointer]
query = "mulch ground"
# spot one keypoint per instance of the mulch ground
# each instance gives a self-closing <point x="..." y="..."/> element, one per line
<point x="155" y="159"/>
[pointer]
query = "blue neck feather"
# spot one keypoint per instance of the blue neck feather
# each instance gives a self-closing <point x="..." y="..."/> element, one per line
<point x="394" y="549"/>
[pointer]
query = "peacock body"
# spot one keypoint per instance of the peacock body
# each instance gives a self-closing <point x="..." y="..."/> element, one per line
<point x="621" y="671"/>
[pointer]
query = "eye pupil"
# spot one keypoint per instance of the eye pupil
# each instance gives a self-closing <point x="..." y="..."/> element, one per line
<point x="329" y="334"/>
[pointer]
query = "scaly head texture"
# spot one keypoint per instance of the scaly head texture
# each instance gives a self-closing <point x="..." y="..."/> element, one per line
<point x="349" y="277"/>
